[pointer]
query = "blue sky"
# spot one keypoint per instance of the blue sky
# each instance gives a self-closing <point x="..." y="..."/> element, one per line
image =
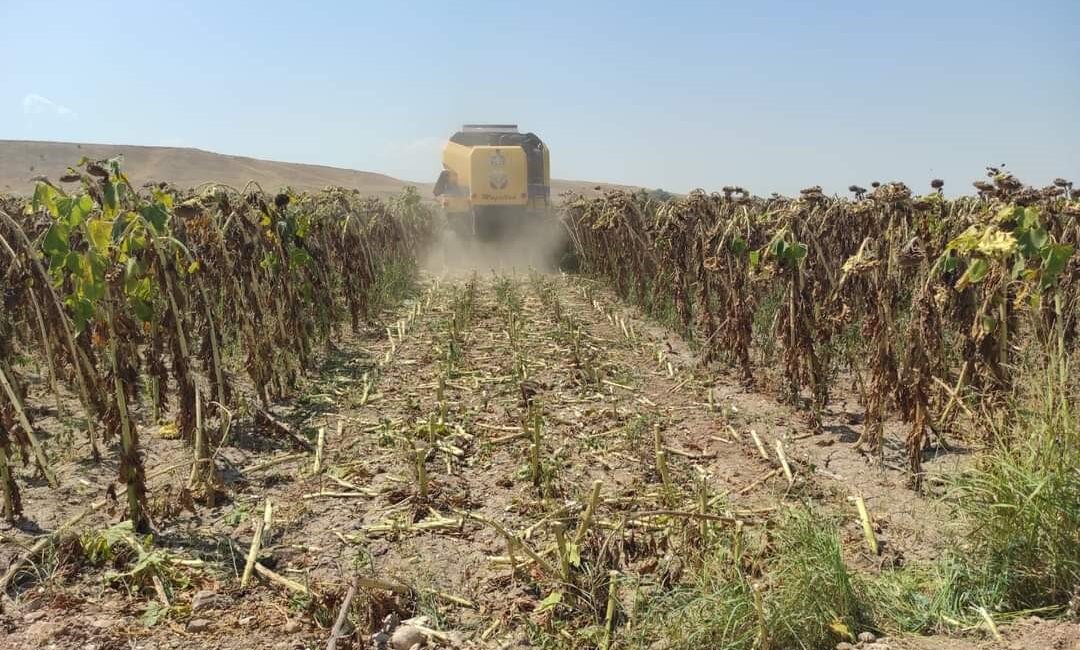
<point x="771" y="95"/>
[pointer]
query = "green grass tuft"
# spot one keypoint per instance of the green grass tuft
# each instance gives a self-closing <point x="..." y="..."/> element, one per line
<point x="1021" y="505"/>
<point x="813" y="597"/>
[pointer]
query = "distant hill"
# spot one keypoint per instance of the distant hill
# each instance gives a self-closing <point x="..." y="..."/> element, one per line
<point x="21" y="160"/>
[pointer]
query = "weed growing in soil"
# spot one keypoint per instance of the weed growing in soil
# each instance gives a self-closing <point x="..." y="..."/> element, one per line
<point x="807" y="596"/>
<point x="813" y="599"/>
<point x="1022" y="505"/>
<point x="1018" y="555"/>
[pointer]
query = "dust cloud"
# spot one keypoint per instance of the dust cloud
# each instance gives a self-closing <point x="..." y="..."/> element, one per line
<point x="541" y="247"/>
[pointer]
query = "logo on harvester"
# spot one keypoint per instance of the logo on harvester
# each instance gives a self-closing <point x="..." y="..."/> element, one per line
<point x="498" y="179"/>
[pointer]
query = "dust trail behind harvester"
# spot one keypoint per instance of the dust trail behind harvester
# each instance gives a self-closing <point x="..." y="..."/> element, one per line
<point x="494" y="191"/>
<point x="543" y="247"/>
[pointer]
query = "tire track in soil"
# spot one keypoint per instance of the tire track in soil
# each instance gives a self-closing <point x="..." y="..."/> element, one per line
<point x="591" y="431"/>
<point x="328" y="540"/>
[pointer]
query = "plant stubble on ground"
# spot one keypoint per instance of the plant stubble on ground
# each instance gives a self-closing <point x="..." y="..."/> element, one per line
<point x="507" y="457"/>
<point x="600" y="389"/>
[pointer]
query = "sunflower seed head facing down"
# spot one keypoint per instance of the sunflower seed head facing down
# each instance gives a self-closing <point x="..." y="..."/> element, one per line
<point x="875" y="185"/>
<point x="187" y="210"/>
<point x="1008" y="182"/>
<point x="937" y="183"/>
<point x="812" y="195"/>
<point x="1027" y="197"/>
<point x="892" y="193"/>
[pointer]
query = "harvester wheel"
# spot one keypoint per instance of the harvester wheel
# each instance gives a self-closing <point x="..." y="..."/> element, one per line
<point x="461" y="225"/>
<point x="488" y="224"/>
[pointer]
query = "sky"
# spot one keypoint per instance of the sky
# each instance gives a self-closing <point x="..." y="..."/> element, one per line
<point x="770" y="95"/>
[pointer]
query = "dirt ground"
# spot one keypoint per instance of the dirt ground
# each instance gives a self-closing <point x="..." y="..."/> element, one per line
<point x="374" y="399"/>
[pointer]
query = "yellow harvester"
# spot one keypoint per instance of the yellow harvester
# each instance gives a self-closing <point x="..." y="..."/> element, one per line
<point x="495" y="181"/>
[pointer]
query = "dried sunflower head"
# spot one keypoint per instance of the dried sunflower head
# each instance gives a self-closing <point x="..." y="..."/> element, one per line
<point x="188" y="209"/>
<point x="812" y="194"/>
<point x="1007" y="182"/>
<point x="924" y="202"/>
<point x="1027" y="197"/>
<point x="892" y="193"/>
<point x="860" y="263"/>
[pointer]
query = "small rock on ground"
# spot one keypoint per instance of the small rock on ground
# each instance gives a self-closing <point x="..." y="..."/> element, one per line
<point x="205" y="600"/>
<point x="42" y="632"/>
<point x="405" y="637"/>
<point x="198" y="625"/>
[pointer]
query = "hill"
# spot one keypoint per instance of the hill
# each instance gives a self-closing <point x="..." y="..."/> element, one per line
<point x="21" y="160"/>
